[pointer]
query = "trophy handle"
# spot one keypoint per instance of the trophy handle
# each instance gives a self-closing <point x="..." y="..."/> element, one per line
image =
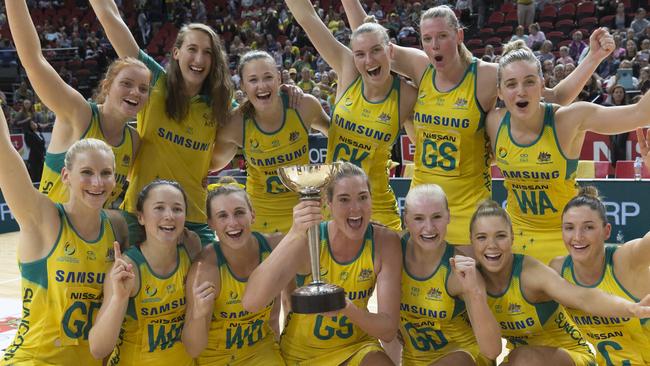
<point x="314" y="252"/>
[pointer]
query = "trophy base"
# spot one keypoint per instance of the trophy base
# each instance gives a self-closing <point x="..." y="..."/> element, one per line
<point x="317" y="298"/>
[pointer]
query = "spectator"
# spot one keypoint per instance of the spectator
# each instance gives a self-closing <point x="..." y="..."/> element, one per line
<point x="36" y="143"/>
<point x="23" y="92"/>
<point x="465" y="9"/>
<point x="519" y="35"/>
<point x="612" y="81"/>
<point x="608" y="67"/>
<point x="619" y="50"/>
<point x="618" y="141"/>
<point x="144" y="28"/>
<point x="545" y="52"/>
<point x="393" y="25"/>
<point x="199" y="11"/>
<point x="286" y="79"/>
<point x="577" y="45"/>
<point x="639" y="23"/>
<point x="316" y="92"/>
<point x="376" y="11"/>
<point x="535" y="37"/>
<point x="306" y="83"/>
<point x="547" y="70"/>
<point x="293" y="74"/>
<point x="620" y="19"/>
<point x="525" y="12"/>
<point x="564" y="56"/>
<point x="558" y="75"/>
<point x="630" y="49"/>
<point x="644" y="79"/>
<point x="342" y="33"/>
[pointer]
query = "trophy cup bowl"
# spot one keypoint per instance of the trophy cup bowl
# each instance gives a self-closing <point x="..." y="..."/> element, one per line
<point x="316" y="297"/>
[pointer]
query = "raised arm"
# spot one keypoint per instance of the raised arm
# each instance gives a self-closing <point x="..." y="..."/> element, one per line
<point x="202" y="286"/>
<point x="290" y="257"/>
<point x="472" y="291"/>
<point x="117" y="31"/>
<point x="118" y="287"/>
<point x="355" y="13"/>
<point x="337" y="55"/>
<point x="601" y="44"/>
<point x="69" y="105"/>
<point x="542" y="280"/>
<point x="385" y="323"/>
<point x="27" y="204"/>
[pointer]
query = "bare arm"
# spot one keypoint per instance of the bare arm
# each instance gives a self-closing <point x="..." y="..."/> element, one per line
<point x="601" y="44"/>
<point x="355" y="13"/>
<point x="290" y="257"/>
<point x="410" y="62"/>
<point x="599" y="119"/>
<point x="117" y="31"/>
<point x="333" y="52"/>
<point x="484" y="325"/>
<point x="385" y="323"/>
<point x="69" y="105"/>
<point x="543" y="283"/>
<point x="119" y="285"/>
<point x="313" y="114"/>
<point x="228" y="141"/>
<point x="202" y="286"/>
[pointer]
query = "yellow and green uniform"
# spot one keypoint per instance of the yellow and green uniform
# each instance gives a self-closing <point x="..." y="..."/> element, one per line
<point x="179" y="151"/>
<point x="316" y="340"/>
<point x="541" y="324"/>
<point x="51" y="183"/>
<point x="451" y="147"/>
<point x="618" y="341"/>
<point x="151" y="331"/>
<point x="540" y="180"/>
<point x="237" y="337"/>
<point x="432" y="322"/>
<point x="265" y="152"/>
<point x="62" y="294"/>
<point x="363" y="133"/>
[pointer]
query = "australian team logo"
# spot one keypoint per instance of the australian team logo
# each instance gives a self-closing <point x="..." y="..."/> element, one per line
<point x="348" y="102"/>
<point x="171" y="288"/>
<point x="90" y="255"/>
<point x="415" y="291"/>
<point x="344" y="275"/>
<point x="502" y="152"/>
<point x="69" y="248"/>
<point x="384" y="118"/>
<point x="208" y="121"/>
<point x="254" y="144"/>
<point x="514" y="308"/>
<point x="233" y="298"/>
<point x="434" y="294"/>
<point x="126" y="160"/>
<point x="544" y="158"/>
<point x="461" y="103"/>
<point x="293" y="136"/>
<point x="364" y="275"/>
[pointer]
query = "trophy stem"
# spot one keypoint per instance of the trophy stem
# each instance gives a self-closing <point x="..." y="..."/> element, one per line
<point x="314" y="253"/>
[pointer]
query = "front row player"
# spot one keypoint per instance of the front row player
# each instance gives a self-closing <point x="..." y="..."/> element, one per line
<point x="64" y="251"/>
<point x="355" y="255"/>
<point x="528" y="298"/>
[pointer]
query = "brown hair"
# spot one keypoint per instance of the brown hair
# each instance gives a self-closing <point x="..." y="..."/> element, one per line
<point x="111" y="73"/>
<point x="588" y="196"/>
<point x="370" y="25"/>
<point x="247" y="108"/>
<point x="217" y="85"/>
<point x="345" y="170"/>
<point x="489" y="208"/>
<point x="517" y="51"/>
<point x="225" y="186"/>
<point x="445" y="12"/>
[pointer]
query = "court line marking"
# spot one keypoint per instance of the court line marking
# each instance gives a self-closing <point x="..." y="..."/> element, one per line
<point x="7" y="281"/>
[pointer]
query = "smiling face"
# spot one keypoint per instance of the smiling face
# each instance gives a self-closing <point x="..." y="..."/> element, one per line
<point x="261" y="82"/>
<point x="351" y="206"/>
<point x="163" y="214"/>
<point x="371" y="57"/>
<point x="492" y="242"/>
<point x="129" y="91"/>
<point x="90" y="177"/>
<point x="440" y="42"/>
<point x="584" y="233"/>
<point x="231" y="218"/>
<point x="426" y="219"/>
<point x="194" y="57"/>
<point x="521" y="88"/>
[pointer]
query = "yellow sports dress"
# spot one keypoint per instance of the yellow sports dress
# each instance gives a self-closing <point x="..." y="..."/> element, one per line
<point x="237" y="337"/>
<point x="451" y="147"/>
<point x="62" y="294"/>
<point x="179" y="151"/>
<point x="51" y="183"/>
<point x="618" y="341"/>
<point x="540" y="181"/>
<point x="151" y="331"/>
<point x="317" y="340"/>
<point x="542" y="324"/>
<point x="432" y="322"/>
<point x="363" y="133"/>
<point x="265" y="152"/>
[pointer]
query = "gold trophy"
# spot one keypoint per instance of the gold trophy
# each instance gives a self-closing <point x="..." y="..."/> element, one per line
<point x="316" y="297"/>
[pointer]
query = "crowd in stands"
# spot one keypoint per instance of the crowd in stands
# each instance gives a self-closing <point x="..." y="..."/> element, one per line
<point x="75" y="44"/>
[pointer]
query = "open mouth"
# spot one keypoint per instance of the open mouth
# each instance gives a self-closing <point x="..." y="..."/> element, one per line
<point x="167" y="228"/>
<point x="579" y="247"/>
<point x="522" y="104"/>
<point x="438" y="58"/>
<point x="234" y="234"/>
<point x="264" y="96"/>
<point x="96" y="194"/>
<point x="196" y="69"/>
<point x="374" y="71"/>
<point x="355" y="222"/>
<point x="429" y="237"/>
<point x="492" y="257"/>
<point x="131" y="102"/>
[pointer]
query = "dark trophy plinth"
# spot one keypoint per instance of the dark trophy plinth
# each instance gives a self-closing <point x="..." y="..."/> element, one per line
<point x="316" y="297"/>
